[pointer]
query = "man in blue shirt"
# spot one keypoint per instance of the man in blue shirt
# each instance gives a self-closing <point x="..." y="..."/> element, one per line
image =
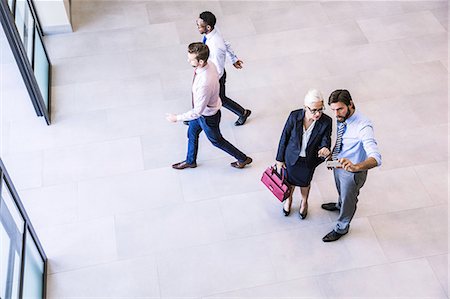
<point x="357" y="151"/>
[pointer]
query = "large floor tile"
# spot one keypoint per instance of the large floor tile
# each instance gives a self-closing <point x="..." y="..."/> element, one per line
<point x="260" y="212"/>
<point x="90" y="68"/>
<point x="400" y="26"/>
<point x="139" y="279"/>
<point x="364" y="57"/>
<point x="25" y="169"/>
<point x="392" y="143"/>
<point x="112" y="195"/>
<point x="302" y="253"/>
<point x="220" y="267"/>
<point x="61" y="198"/>
<point x="426" y="48"/>
<point x="93" y="160"/>
<point x="405" y="80"/>
<point x="216" y="178"/>
<point x="295" y="17"/>
<point x="66" y="130"/>
<point x="342" y="11"/>
<point x="298" y="288"/>
<point x="439" y="264"/>
<point x="434" y="177"/>
<point x="413" y="233"/>
<point x="78" y="245"/>
<point x="406" y="279"/>
<point x="170" y="11"/>
<point x="386" y="191"/>
<point x="173" y="227"/>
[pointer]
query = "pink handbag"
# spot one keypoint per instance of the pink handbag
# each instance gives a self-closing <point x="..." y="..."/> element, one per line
<point x="276" y="184"/>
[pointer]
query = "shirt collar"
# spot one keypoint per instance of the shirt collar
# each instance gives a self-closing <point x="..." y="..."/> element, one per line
<point x="351" y="118"/>
<point x="200" y="70"/>
<point x="211" y="34"/>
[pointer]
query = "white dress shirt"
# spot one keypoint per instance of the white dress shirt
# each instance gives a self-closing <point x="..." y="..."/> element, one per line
<point x="205" y="93"/>
<point x="218" y="50"/>
<point x="305" y="138"/>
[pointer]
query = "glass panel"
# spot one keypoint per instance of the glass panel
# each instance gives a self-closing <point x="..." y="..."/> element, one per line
<point x="25" y="26"/>
<point x="20" y="17"/>
<point x="29" y="31"/>
<point x="5" y="248"/>
<point x="10" y="4"/>
<point x="11" y="234"/>
<point x="41" y="67"/>
<point x="33" y="280"/>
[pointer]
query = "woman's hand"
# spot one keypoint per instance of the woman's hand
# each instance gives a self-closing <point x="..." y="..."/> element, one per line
<point x="324" y="152"/>
<point x="280" y="165"/>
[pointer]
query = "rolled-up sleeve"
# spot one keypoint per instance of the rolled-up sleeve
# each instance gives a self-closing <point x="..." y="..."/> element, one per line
<point x="200" y="103"/>
<point x="369" y="143"/>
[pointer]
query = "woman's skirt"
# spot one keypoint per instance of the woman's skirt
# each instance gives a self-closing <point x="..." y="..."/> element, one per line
<point x="300" y="174"/>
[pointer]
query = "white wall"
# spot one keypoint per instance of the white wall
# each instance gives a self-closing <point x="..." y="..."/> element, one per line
<point x="54" y="15"/>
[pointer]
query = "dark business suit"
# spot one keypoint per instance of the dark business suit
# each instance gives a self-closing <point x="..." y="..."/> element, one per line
<point x="291" y="139"/>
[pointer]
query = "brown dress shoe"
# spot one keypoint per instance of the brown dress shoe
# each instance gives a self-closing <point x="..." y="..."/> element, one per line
<point x="238" y="164"/>
<point x="183" y="165"/>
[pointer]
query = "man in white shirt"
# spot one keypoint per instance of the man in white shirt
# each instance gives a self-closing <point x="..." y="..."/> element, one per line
<point x="205" y="112"/>
<point x="219" y="49"/>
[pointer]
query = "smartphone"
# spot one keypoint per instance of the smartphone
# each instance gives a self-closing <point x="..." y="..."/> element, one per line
<point x="332" y="163"/>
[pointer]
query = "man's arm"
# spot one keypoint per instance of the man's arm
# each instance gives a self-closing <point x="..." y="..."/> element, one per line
<point x="364" y="165"/>
<point x="200" y="103"/>
<point x="370" y="147"/>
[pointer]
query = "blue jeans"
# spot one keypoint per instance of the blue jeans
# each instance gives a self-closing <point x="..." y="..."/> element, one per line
<point x="209" y="124"/>
<point x="348" y="185"/>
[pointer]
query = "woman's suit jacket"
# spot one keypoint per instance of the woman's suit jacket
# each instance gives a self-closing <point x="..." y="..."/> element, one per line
<point x="291" y="139"/>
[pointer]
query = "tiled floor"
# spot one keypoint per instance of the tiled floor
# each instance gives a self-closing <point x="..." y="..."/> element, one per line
<point x="117" y="222"/>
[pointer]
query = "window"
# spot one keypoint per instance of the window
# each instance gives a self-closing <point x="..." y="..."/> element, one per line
<point x="41" y="68"/>
<point x="11" y="236"/>
<point x="24" y="35"/>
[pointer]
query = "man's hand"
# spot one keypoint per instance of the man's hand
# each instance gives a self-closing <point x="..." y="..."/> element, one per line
<point x="238" y="64"/>
<point x="171" y="117"/>
<point x="324" y="152"/>
<point x="348" y="165"/>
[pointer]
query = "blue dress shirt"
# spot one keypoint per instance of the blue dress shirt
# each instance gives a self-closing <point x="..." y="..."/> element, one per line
<point x="358" y="141"/>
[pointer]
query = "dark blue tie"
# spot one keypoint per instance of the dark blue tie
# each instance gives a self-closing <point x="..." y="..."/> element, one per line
<point x="338" y="147"/>
<point x="204" y="39"/>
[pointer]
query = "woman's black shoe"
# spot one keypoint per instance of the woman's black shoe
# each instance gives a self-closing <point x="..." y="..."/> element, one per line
<point x="286" y="213"/>
<point x="305" y="212"/>
<point x="303" y="216"/>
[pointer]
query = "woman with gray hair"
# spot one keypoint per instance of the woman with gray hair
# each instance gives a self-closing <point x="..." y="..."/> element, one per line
<point x="304" y="144"/>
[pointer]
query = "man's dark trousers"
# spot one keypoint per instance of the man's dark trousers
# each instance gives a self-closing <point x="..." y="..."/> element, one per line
<point x="226" y="101"/>
<point x="209" y="124"/>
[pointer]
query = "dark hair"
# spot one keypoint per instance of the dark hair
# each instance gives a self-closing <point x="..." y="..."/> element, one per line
<point x="209" y="18"/>
<point x="200" y="50"/>
<point x="340" y="95"/>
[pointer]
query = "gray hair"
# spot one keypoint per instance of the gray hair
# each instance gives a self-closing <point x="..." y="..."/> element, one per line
<point x="313" y="96"/>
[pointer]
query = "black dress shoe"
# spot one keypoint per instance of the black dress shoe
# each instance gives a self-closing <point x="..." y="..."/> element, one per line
<point x="332" y="236"/>
<point x="183" y="165"/>
<point x="331" y="206"/>
<point x="238" y="164"/>
<point x="286" y="213"/>
<point x="243" y="118"/>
